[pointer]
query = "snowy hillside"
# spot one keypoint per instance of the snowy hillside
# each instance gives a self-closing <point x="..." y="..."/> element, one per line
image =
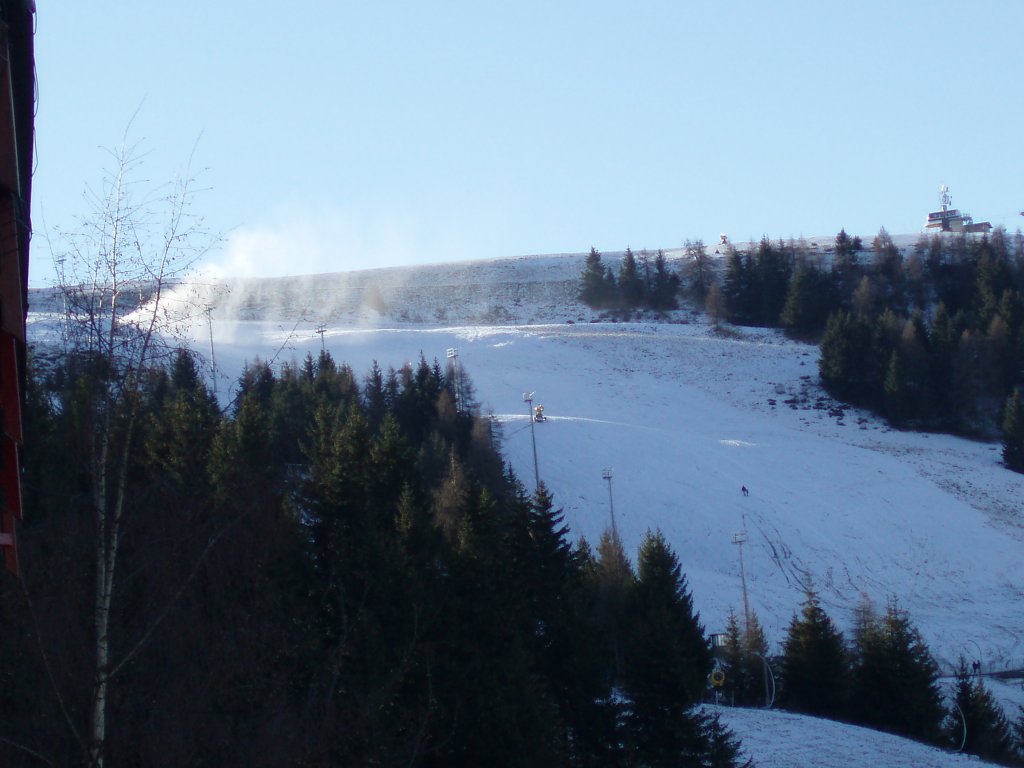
<point x="785" y="740"/>
<point x="683" y="415"/>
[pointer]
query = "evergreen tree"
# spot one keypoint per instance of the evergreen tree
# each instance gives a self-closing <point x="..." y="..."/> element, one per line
<point x="967" y="389"/>
<point x="812" y="296"/>
<point x="631" y="284"/>
<point x="895" y="403"/>
<point x="844" y="264"/>
<point x="375" y="396"/>
<point x="993" y="277"/>
<point x="917" y="286"/>
<point x="594" y="725"/>
<point x="866" y="299"/>
<point x="739" y="289"/>
<point x="756" y="642"/>
<point x="723" y="746"/>
<point x="895" y="679"/>
<point x="815" y="665"/>
<point x="933" y="254"/>
<point x="846" y="247"/>
<point x="1013" y="432"/>
<point x="593" y="288"/>
<point x="743" y="657"/>
<point x="888" y="261"/>
<point x="611" y="288"/>
<point x="700" y="265"/>
<point x="667" y="661"/>
<point x="180" y="435"/>
<point x="845" y="350"/>
<point x="668" y="656"/>
<point x="772" y="271"/>
<point x="646" y="278"/>
<point x="615" y="583"/>
<point x="662" y="294"/>
<point x="942" y="353"/>
<point x="543" y="563"/>
<point x="988" y="733"/>
<point x="1010" y="364"/>
<point x="738" y="685"/>
<point x="914" y="351"/>
<point x="1018" y="730"/>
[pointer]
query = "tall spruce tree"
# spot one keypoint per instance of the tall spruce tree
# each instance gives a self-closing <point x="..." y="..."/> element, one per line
<point x="895" y="403"/>
<point x="665" y="285"/>
<point x="942" y="354"/>
<point x="988" y="734"/>
<point x="615" y="584"/>
<point x="772" y="270"/>
<point x="895" y="678"/>
<point x="631" y="283"/>
<point x="740" y="288"/>
<point x="584" y="684"/>
<point x="1013" y="432"/>
<point x="815" y="664"/>
<point x="667" y="661"/>
<point x="744" y="659"/>
<point x="888" y="261"/>
<point x="845" y="349"/>
<point x="668" y="655"/>
<point x="700" y="266"/>
<point x="812" y="295"/>
<point x="593" y="288"/>
<point x="844" y="264"/>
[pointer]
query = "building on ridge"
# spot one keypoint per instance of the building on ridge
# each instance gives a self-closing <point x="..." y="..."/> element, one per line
<point x="949" y="219"/>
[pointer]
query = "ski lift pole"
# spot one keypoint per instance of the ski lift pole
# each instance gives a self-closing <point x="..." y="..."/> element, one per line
<point x="606" y="474"/>
<point x="208" y="308"/>
<point x="528" y="399"/>
<point x="453" y="357"/>
<point x="740" y="538"/>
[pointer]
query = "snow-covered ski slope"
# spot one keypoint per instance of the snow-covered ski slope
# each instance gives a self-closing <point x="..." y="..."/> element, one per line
<point x="684" y="415"/>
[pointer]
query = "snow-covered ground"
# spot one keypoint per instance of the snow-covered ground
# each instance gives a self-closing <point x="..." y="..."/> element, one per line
<point x="684" y="415"/>
<point x="785" y="740"/>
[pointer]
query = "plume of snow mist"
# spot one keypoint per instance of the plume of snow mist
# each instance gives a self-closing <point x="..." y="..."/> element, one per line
<point x="297" y="242"/>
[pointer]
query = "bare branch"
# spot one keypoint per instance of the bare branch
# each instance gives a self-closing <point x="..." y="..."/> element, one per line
<point x="27" y="750"/>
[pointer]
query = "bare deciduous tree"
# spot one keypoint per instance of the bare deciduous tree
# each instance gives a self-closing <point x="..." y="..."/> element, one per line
<point x="116" y="272"/>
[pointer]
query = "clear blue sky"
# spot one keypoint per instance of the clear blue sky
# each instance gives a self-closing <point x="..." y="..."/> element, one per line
<point x="343" y="135"/>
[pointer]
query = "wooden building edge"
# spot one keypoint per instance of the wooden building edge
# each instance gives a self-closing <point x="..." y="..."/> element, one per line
<point x="17" y="114"/>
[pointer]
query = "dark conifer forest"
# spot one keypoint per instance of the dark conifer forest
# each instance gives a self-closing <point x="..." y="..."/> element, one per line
<point x="338" y="570"/>
<point x="931" y="338"/>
